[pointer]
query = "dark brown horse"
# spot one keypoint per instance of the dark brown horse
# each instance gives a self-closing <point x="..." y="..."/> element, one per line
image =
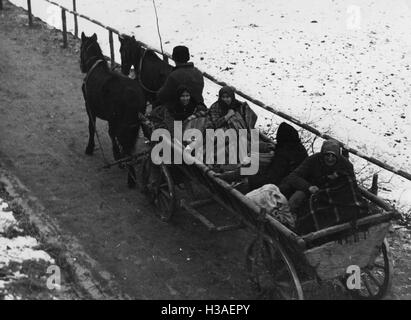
<point x="111" y="97"/>
<point x="151" y="71"/>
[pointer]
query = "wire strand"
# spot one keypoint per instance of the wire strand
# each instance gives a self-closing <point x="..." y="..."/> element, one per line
<point x="158" y="27"/>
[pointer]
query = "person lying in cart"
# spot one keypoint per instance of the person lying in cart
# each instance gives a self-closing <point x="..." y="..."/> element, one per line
<point x="326" y="190"/>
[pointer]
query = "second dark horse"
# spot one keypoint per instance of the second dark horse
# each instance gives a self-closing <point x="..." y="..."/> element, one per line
<point x="111" y="97"/>
<point x="151" y="71"/>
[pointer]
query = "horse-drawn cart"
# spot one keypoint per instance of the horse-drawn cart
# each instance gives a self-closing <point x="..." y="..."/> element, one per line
<point x="278" y="260"/>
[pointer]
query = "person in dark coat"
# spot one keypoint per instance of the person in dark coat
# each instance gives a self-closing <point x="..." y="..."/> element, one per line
<point x="184" y="74"/>
<point x="184" y="108"/>
<point x="288" y="155"/>
<point x="330" y="177"/>
<point x="319" y="170"/>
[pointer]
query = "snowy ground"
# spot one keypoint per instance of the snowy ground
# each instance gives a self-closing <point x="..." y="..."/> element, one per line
<point x="341" y="66"/>
<point x="16" y="252"/>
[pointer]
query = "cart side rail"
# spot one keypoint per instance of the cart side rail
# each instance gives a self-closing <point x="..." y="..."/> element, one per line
<point x="389" y="213"/>
<point x="367" y="221"/>
<point x="252" y="214"/>
<point x="245" y="209"/>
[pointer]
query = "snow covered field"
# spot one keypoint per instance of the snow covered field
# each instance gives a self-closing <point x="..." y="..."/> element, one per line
<point x="342" y="66"/>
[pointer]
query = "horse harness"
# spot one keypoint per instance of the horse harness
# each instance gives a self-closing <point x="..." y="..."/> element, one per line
<point x="140" y="67"/>
<point x="89" y="73"/>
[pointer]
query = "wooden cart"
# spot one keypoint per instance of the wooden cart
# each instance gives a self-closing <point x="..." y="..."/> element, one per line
<point x="278" y="260"/>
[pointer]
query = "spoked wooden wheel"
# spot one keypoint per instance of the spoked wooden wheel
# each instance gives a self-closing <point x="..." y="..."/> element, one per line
<point x="376" y="279"/>
<point x="164" y="195"/>
<point x="272" y="272"/>
<point x="158" y="185"/>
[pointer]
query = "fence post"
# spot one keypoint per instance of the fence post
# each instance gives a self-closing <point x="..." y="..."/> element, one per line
<point x="64" y="20"/>
<point x="110" y="38"/>
<point x="29" y="13"/>
<point x="165" y="58"/>
<point x="75" y="19"/>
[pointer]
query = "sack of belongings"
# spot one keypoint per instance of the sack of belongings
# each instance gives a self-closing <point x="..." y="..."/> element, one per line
<point x="274" y="202"/>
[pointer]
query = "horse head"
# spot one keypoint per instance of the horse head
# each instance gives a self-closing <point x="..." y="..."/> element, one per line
<point x="90" y="52"/>
<point x="130" y="50"/>
<point x="151" y="71"/>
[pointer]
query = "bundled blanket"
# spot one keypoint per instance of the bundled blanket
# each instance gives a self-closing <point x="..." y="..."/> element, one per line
<point x="339" y="203"/>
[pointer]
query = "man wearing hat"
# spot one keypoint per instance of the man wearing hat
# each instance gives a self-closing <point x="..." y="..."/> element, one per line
<point x="184" y="74"/>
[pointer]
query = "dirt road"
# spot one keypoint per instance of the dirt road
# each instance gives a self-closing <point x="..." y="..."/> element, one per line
<point x="43" y="135"/>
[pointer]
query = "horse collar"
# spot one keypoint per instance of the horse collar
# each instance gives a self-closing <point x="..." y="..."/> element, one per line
<point x="89" y="73"/>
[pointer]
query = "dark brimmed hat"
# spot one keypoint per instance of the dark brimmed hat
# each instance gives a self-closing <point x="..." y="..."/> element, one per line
<point x="181" y="54"/>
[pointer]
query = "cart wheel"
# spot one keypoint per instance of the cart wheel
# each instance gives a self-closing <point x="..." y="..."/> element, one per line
<point x="272" y="271"/>
<point x="164" y="195"/>
<point x="376" y="280"/>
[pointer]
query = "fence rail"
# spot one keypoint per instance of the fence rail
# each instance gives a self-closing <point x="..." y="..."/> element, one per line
<point x="246" y="96"/>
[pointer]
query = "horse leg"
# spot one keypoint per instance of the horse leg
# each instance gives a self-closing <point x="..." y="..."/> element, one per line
<point x="91" y="123"/>
<point x="112" y="134"/>
<point x="92" y="131"/>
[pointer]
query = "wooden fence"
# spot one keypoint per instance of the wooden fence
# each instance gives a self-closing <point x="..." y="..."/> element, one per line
<point x="166" y="56"/>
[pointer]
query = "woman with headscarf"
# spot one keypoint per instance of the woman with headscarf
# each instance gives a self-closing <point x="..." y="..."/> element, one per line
<point x="184" y="109"/>
<point x="288" y="155"/>
<point x="228" y="112"/>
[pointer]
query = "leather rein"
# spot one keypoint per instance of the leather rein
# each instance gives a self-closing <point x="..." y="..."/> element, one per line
<point x="140" y="67"/>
